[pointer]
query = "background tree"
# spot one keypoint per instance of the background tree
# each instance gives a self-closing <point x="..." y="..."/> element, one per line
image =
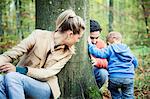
<point x="10" y="22"/>
<point x="146" y="12"/>
<point x="18" y="6"/>
<point x="110" y="15"/>
<point x="1" y="12"/>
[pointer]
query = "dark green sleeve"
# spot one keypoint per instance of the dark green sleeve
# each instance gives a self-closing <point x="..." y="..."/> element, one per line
<point x="22" y="70"/>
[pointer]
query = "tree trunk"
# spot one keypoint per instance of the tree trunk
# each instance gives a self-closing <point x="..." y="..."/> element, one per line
<point x="1" y="29"/>
<point x="18" y="19"/>
<point x="145" y="6"/>
<point x="76" y="79"/>
<point x="110" y="15"/>
<point x="1" y="20"/>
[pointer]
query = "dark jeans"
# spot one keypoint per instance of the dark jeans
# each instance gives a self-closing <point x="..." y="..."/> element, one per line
<point x="121" y="88"/>
<point x="101" y="76"/>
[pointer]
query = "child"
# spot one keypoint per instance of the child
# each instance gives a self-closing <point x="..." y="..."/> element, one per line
<point x="121" y="64"/>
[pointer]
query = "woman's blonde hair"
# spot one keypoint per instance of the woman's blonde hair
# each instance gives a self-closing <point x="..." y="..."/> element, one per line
<point x="68" y="20"/>
<point x="114" y="34"/>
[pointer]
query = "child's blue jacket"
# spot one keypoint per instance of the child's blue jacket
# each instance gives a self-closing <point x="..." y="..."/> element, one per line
<point x="121" y="62"/>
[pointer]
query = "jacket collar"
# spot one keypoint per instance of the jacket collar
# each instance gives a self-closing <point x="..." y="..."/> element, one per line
<point x="56" y="41"/>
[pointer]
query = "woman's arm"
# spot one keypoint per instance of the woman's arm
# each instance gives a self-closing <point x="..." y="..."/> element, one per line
<point x="44" y="73"/>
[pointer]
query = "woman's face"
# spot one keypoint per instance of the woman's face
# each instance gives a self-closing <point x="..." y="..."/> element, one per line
<point x="73" y="38"/>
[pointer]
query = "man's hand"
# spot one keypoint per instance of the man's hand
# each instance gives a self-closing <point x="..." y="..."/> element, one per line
<point x="93" y="60"/>
<point x="89" y="40"/>
<point x="8" y="67"/>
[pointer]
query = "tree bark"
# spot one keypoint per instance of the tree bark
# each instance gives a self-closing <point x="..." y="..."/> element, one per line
<point x="18" y="19"/>
<point x="146" y="13"/>
<point x="1" y="20"/>
<point x="76" y="79"/>
<point x="1" y="29"/>
<point x="110" y="15"/>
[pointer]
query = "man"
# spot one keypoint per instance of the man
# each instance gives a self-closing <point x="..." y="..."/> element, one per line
<point x="99" y="65"/>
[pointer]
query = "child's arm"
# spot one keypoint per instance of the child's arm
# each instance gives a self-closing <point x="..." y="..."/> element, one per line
<point x="99" y="53"/>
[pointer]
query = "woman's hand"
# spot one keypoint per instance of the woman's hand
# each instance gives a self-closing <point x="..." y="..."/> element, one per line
<point x="8" y="67"/>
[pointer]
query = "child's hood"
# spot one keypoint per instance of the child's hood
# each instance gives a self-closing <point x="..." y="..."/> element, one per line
<point x="122" y="51"/>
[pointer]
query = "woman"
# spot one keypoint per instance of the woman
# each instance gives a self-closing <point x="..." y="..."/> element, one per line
<point x="41" y="56"/>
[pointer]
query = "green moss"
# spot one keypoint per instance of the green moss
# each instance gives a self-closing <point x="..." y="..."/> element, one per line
<point x="93" y="93"/>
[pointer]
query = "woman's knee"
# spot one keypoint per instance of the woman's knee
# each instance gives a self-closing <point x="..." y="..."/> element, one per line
<point x="1" y="78"/>
<point x="2" y="83"/>
<point x="12" y="77"/>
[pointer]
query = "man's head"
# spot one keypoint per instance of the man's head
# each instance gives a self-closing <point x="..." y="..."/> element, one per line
<point x="114" y="37"/>
<point x="95" y="30"/>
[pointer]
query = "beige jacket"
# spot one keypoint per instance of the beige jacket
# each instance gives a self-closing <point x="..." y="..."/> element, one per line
<point x="34" y="50"/>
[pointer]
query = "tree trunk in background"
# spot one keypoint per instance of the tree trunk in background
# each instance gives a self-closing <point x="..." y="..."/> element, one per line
<point x="76" y="79"/>
<point x="1" y="29"/>
<point x="146" y="12"/>
<point x="18" y="19"/>
<point x="110" y="15"/>
<point x="1" y="20"/>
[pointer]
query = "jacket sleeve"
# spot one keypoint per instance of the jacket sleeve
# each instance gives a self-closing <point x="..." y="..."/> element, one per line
<point x="18" y="50"/>
<point x="101" y="63"/>
<point x="135" y="62"/>
<point x="98" y="53"/>
<point x="44" y="73"/>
